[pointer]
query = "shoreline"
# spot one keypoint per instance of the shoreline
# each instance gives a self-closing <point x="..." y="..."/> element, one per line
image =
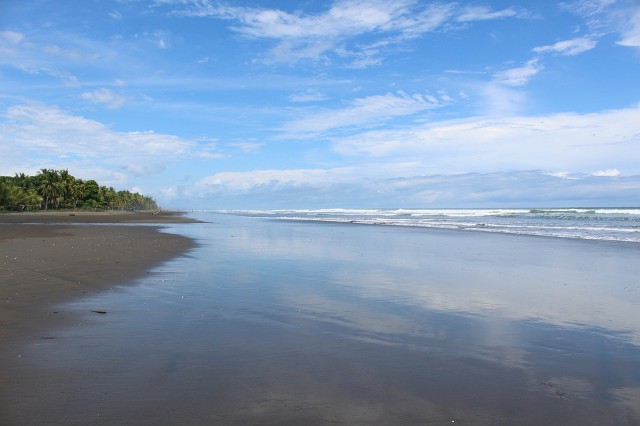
<point x="107" y="216"/>
<point x="481" y="232"/>
<point x="48" y="258"/>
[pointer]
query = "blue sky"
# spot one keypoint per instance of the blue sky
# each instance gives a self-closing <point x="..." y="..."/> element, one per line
<point x="346" y="103"/>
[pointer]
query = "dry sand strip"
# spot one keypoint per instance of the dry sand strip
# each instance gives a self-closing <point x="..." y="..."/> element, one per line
<point x="113" y="216"/>
<point x="43" y="265"/>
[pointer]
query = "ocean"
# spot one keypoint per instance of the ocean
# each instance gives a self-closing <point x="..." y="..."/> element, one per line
<point x="610" y="224"/>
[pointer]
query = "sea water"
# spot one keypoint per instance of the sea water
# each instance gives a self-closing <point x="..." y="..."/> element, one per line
<point x="612" y="224"/>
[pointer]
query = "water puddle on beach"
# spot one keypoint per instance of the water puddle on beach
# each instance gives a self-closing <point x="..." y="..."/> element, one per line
<point x="303" y="323"/>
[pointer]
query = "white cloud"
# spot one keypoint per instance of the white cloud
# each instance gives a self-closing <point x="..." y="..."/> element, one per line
<point x="607" y="173"/>
<point x="574" y="142"/>
<point x="568" y="47"/>
<point x="309" y="95"/>
<point x="105" y="96"/>
<point x="211" y="155"/>
<point x="247" y="147"/>
<point x="12" y="50"/>
<point x="143" y="169"/>
<point x="347" y="187"/>
<point x="596" y="12"/>
<point x="371" y="110"/>
<point x="501" y="100"/>
<point x="484" y="13"/>
<point x="245" y="181"/>
<point x="563" y="175"/>
<point x="631" y="30"/>
<point x="73" y="54"/>
<point x="12" y="36"/>
<point x="53" y="54"/>
<point x="105" y="176"/>
<point x="610" y="16"/>
<point x="32" y="132"/>
<point x="343" y="18"/>
<point x="311" y="36"/>
<point x="519" y="76"/>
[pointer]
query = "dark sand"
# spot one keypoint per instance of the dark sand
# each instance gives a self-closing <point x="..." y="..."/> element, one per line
<point x="47" y="259"/>
<point x="95" y="217"/>
<point x="41" y="266"/>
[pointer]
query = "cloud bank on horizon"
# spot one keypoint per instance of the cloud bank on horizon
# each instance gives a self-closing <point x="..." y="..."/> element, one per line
<point x="349" y="103"/>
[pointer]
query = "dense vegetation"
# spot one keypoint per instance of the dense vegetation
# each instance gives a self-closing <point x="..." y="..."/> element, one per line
<point x="57" y="189"/>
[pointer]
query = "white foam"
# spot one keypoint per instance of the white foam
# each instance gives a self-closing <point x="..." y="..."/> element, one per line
<point x="595" y="224"/>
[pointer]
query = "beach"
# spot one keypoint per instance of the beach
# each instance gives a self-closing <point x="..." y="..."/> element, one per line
<point x="43" y="264"/>
<point x="268" y="322"/>
<point x="54" y="257"/>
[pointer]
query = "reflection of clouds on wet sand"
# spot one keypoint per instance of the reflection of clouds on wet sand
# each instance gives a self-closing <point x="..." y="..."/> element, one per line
<point x="590" y="306"/>
<point x="358" y="321"/>
<point x="629" y="398"/>
<point x="308" y="398"/>
<point x="561" y="282"/>
<point x="386" y="288"/>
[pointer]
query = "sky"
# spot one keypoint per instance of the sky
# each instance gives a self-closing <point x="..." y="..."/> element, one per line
<point x="207" y="104"/>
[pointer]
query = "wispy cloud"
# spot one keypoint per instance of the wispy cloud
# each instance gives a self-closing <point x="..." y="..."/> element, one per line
<point x="44" y="127"/>
<point x="31" y="132"/>
<point x="12" y="37"/>
<point x="58" y="55"/>
<point x="519" y="76"/>
<point x="301" y="36"/>
<point x="308" y="95"/>
<point x="568" y="47"/>
<point x="499" y="100"/>
<point x="595" y="12"/>
<point x="631" y="30"/>
<point x="105" y="96"/>
<point x="484" y="13"/>
<point x="247" y="147"/>
<point x="363" y="112"/>
<point x="244" y="181"/>
<point x="574" y="142"/>
<point x="346" y="17"/>
<point x="610" y="16"/>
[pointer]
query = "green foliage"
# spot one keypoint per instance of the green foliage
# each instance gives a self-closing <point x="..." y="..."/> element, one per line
<point x="57" y="189"/>
<point x="91" y="192"/>
<point x="16" y="198"/>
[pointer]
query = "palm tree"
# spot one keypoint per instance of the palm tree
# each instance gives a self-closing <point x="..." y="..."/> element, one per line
<point x="33" y="199"/>
<point x="5" y="190"/>
<point x="65" y="185"/>
<point x="48" y="187"/>
<point x="77" y="191"/>
<point x="22" y="181"/>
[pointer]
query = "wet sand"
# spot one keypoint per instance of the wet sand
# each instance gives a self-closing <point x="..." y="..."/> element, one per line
<point x="47" y="259"/>
<point x="301" y="323"/>
<point x="43" y="264"/>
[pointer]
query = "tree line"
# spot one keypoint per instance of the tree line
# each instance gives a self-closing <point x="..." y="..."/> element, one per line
<point x="58" y="189"/>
